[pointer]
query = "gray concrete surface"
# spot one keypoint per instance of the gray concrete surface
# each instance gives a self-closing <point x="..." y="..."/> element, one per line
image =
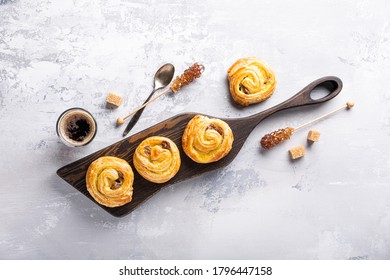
<point x="332" y="204"/>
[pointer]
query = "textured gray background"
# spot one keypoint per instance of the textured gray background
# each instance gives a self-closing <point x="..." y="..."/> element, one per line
<point x="332" y="204"/>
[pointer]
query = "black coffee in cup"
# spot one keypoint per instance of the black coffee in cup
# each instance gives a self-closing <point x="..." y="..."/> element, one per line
<point x="76" y="127"/>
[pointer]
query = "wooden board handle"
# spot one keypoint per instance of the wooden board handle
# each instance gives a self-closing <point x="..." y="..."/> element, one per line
<point x="302" y="98"/>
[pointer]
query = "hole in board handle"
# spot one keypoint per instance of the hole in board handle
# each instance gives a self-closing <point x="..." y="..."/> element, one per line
<point x="323" y="90"/>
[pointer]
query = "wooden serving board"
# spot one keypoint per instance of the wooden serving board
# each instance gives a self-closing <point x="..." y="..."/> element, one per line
<point x="173" y="128"/>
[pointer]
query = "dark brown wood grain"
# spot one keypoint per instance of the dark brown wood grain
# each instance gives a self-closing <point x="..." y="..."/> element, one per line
<point x="173" y="128"/>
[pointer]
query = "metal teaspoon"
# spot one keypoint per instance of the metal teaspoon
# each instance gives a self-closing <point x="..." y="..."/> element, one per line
<point x="162" y="78"/>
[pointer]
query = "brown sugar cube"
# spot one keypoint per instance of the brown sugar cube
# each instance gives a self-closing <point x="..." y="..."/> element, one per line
<point x="114" y="99"/>
<point x="313" y="136"/>
<point x="297" y="152"/>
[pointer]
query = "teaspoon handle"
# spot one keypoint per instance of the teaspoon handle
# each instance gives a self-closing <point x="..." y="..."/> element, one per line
<point x="136" y="116"/>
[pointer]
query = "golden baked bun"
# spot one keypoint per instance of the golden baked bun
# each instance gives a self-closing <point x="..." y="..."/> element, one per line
<point x="251" y="81"/>
<point x="110" y="181"/>
<point x="157" y="159"/>
<point x="207" y="140"/>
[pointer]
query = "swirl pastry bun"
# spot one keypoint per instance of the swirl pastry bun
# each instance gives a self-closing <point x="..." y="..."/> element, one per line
<point x="207" y="140"/>
<point x="251" y="81"/>
<point x="157" y="159"/>
<point x="110" y="181"/>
